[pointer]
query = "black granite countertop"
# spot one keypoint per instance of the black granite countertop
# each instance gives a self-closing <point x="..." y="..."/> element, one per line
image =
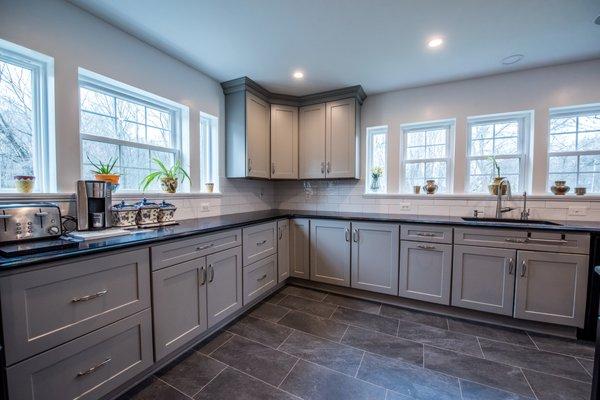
<point x="192" y="227"/>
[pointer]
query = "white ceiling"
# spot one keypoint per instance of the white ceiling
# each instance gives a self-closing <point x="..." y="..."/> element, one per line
<point x="380" y="44"/>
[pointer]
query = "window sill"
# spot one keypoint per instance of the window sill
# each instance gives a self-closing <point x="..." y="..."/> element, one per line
<point x="29" y="197"/>
<point x="465" y="196"/>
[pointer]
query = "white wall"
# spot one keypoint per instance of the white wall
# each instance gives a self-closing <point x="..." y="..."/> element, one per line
<point x="75" y="38"/>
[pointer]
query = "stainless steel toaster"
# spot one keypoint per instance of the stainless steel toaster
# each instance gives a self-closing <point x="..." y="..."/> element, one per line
<point x="19" y="222"/>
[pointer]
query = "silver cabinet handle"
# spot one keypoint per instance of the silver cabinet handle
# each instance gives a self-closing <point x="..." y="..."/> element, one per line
<point x="94" y="368"/>
<point x="261" y="278"/>
<point x="515" y="240"/>
<point x="347" y="234"/>
<point x="425" y="234"/>
<point x="208" y="246"/>
<point x="560" y="242"/>
<point x="211" y="272"/>
<point x="280" y="233"/>
<point x="355" y="235"/>
<point x="511" y="264"/>
<point x="328" y="167"/>
<point x="523" y="268"/>
<point x="89" y="296"/>
<point x="203" y="275"/>
<point x="249" y="164"/>
<point x="426" y="246"/>
<point x="273" y="168"/>
<point x="322" y="167"/>
<point x="261" y="243"/>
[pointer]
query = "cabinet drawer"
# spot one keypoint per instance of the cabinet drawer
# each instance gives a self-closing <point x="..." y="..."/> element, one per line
<point x="554" y="241"/>
<point x="88" y="367"/>
<point x="45" y="308"/>
<point x="179" y="251"/>
<point x="260" y="241"/>
<point x="259" y="277"/>
<point x="426" y="233"/>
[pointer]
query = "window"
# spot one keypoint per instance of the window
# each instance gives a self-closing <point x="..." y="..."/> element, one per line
<point x="574" y="147"/>
<point x="376" y="159"/>
<point x="25" y="143"/>
<point x="209" y="151"/>
<point x="503" y="137"/>
<point x="117" y="121"/>
<point x="426" y="154"/>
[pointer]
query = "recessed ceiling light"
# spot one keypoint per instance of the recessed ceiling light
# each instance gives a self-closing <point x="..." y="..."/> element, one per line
<point x="298" y="75"/>
<point x="597" y="20"/>
<point x="435" y="42"/>
<point x="512" y="59"/>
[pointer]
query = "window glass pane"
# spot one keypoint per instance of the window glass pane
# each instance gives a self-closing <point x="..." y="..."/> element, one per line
<point x="509" y="129"/>
<point x="563" y="142"/>
<point x="562" y="125"/>
<point x="17" y="132"/>
<point x="158" y="137"/>
<point x="506" y="146"/>
<point x="562" y="164"/>
<point x="588" y="141"/>
<point x="158" y="119"/>
<point x="97" y="102"/>
<point x="129" y="111"/>
<point x="589" y="122"/>
<point x="415" y="153"/>
<point x="428" y="144"/>
<point x="376" y="172"/>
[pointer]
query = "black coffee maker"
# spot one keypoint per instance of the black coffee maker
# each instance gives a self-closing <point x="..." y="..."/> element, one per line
<point x="94" y="203"/>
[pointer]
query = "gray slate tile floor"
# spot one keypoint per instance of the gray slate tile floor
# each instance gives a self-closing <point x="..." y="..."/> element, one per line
<point x="307" y="344"/>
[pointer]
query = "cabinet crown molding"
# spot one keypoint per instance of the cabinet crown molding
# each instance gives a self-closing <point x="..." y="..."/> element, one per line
<point x="246" y="84"/>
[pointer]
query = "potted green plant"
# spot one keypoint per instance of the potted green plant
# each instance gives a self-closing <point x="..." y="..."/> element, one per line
<point x="498" y="182"/>
<point x="104" y="171"/>
<point x="376" y="173"/>
<point x="168" y="177"/>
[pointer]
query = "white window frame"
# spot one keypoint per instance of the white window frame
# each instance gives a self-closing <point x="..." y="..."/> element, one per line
<point x="44" y="145"/>
<point x="571" y="111"/>
<point x="450" y="126"/>
<point x="209" y="151"/>
<point x="524" y="118"/>
<point x="179" y="115"/>
<point x="376" y="130"/>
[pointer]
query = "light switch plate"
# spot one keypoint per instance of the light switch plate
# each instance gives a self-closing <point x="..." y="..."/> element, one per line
<point x="577" y="211"/>
<point x="404" y="206"/>
<point x="205" y="207"/>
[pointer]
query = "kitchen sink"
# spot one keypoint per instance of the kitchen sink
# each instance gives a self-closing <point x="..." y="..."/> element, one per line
<point x="511" y="221"/>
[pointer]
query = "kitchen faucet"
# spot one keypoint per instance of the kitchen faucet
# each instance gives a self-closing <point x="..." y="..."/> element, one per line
<point x="526" y="211"/>
<point x="499" y="209"/>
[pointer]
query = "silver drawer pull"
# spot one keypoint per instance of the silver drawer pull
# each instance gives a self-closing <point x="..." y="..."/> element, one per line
<point x="94" y="368"/>
<point x="89" y="296"/>
<point x="261" y="243"/>
<point x="426" y="234"/>
<point x="261" y="278"/>
<point x="515" y="240"/>
<point x="511" y="264"/>
<point x="203" y="275"/>
<point x="560" y="242"/>
<point x="211" y="273"/>
<point x="523" y="269"/>
<point x="208" y="246"/>
<point x="425" y="247"/>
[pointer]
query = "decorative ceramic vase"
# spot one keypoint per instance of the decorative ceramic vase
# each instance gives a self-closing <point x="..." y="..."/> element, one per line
<point x="169" y="185"/>
<point x="209" y="187"/>
<point x="113" y="179"/>
<point x="374" y="183"/>
<point x="580" y="191"/>
<point x="498" y="184"/>
<point x="560" y="188"/>
<point x="147" y="212"/>
<point x="24" y="183"/>
<point x="124" y="214"/>
<point x="430" y="186"/>
<point x="416" y="189"/>
<point x="166" y="212"/>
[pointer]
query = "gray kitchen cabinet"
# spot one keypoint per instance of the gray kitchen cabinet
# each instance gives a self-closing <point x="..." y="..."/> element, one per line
<point x="284" y="142"/>
<point x="258" y="145"/>
<point x="300" y="248"/>
<point x="425" y="271"/>
<point x="259" y="241"/>
<point x="259" y="278"/>
<point x="44" y="308"/>
<point x="223" y="284"/>
<point x="483" y="279"/>
<point x="283" y="250"/>
<point x="330" y="251"/>
<point x="551" y="287"/>
<point x="342" y="134"/>
<point x="374" y="261"/>
<point x="427" y="233"/>
<point x="88" y="367"/>
<point x="312" y="142"/>
<point x="178" y="305"/>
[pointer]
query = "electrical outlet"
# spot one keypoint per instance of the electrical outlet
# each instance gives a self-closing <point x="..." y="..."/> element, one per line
<point x="404" y="206"/>
<point x="577" y="211"/>
<point x="205" y="207"/>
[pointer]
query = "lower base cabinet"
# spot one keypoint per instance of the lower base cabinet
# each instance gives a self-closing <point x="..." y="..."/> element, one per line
<point x="88" y="367"/>
<point x="283" y="250"/>
<point x="300" y="248"/>
<point x="330" y="252"/>
<point x="224" y="294"/>
<point x="259" y="278"/>
<point x="425" y="271"/>
<point x="551" y="287"/>
<point x="483" y="279"/>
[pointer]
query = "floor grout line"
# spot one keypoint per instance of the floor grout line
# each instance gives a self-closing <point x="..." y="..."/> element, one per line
<point x="528" y="384"/>
<point x="344" y="334"/>
<point x="168" y="384"/>
<point x="532" y="341"/>
<point x="289" y="372"/>
<point x="480" y="348"/>
<point x="460" y="391"/>
<point x="285" y="340"/>
<point x="588" y="372"/>
<point x="222" y="344"/>
<point x="208" y="383"/>
<point x="360" y="364"/>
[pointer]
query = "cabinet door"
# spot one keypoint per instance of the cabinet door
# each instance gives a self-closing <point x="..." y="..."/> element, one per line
<point x="330" y="251"/>
<point x="375" y="257"/>
<point x="311" y="142"/>
<point x="341" y="139"/>
<point x="425" y="271"/>
<point x="284" y="142"/>
<point x="223" y="284"/>
<point x="283" y="250"/>
<point x="551" y="287"/>
<point x="483" y="279"/>
<point x="299" y="248"/>
<point x="258" y="142"/>
<point x="178" y="305"/>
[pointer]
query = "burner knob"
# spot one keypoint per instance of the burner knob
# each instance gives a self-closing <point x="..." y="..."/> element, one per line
<point x="53" y="230"/>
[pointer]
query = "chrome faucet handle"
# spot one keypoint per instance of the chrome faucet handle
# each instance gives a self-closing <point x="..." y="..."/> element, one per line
<point x="476" y="213"/>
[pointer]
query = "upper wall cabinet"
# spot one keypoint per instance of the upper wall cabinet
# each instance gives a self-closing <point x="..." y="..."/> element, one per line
<point x="277" y="136"/>
<point x="284" y="142"/>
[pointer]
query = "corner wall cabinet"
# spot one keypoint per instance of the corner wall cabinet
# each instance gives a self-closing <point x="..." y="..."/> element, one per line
<point x="275" y="136"/>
